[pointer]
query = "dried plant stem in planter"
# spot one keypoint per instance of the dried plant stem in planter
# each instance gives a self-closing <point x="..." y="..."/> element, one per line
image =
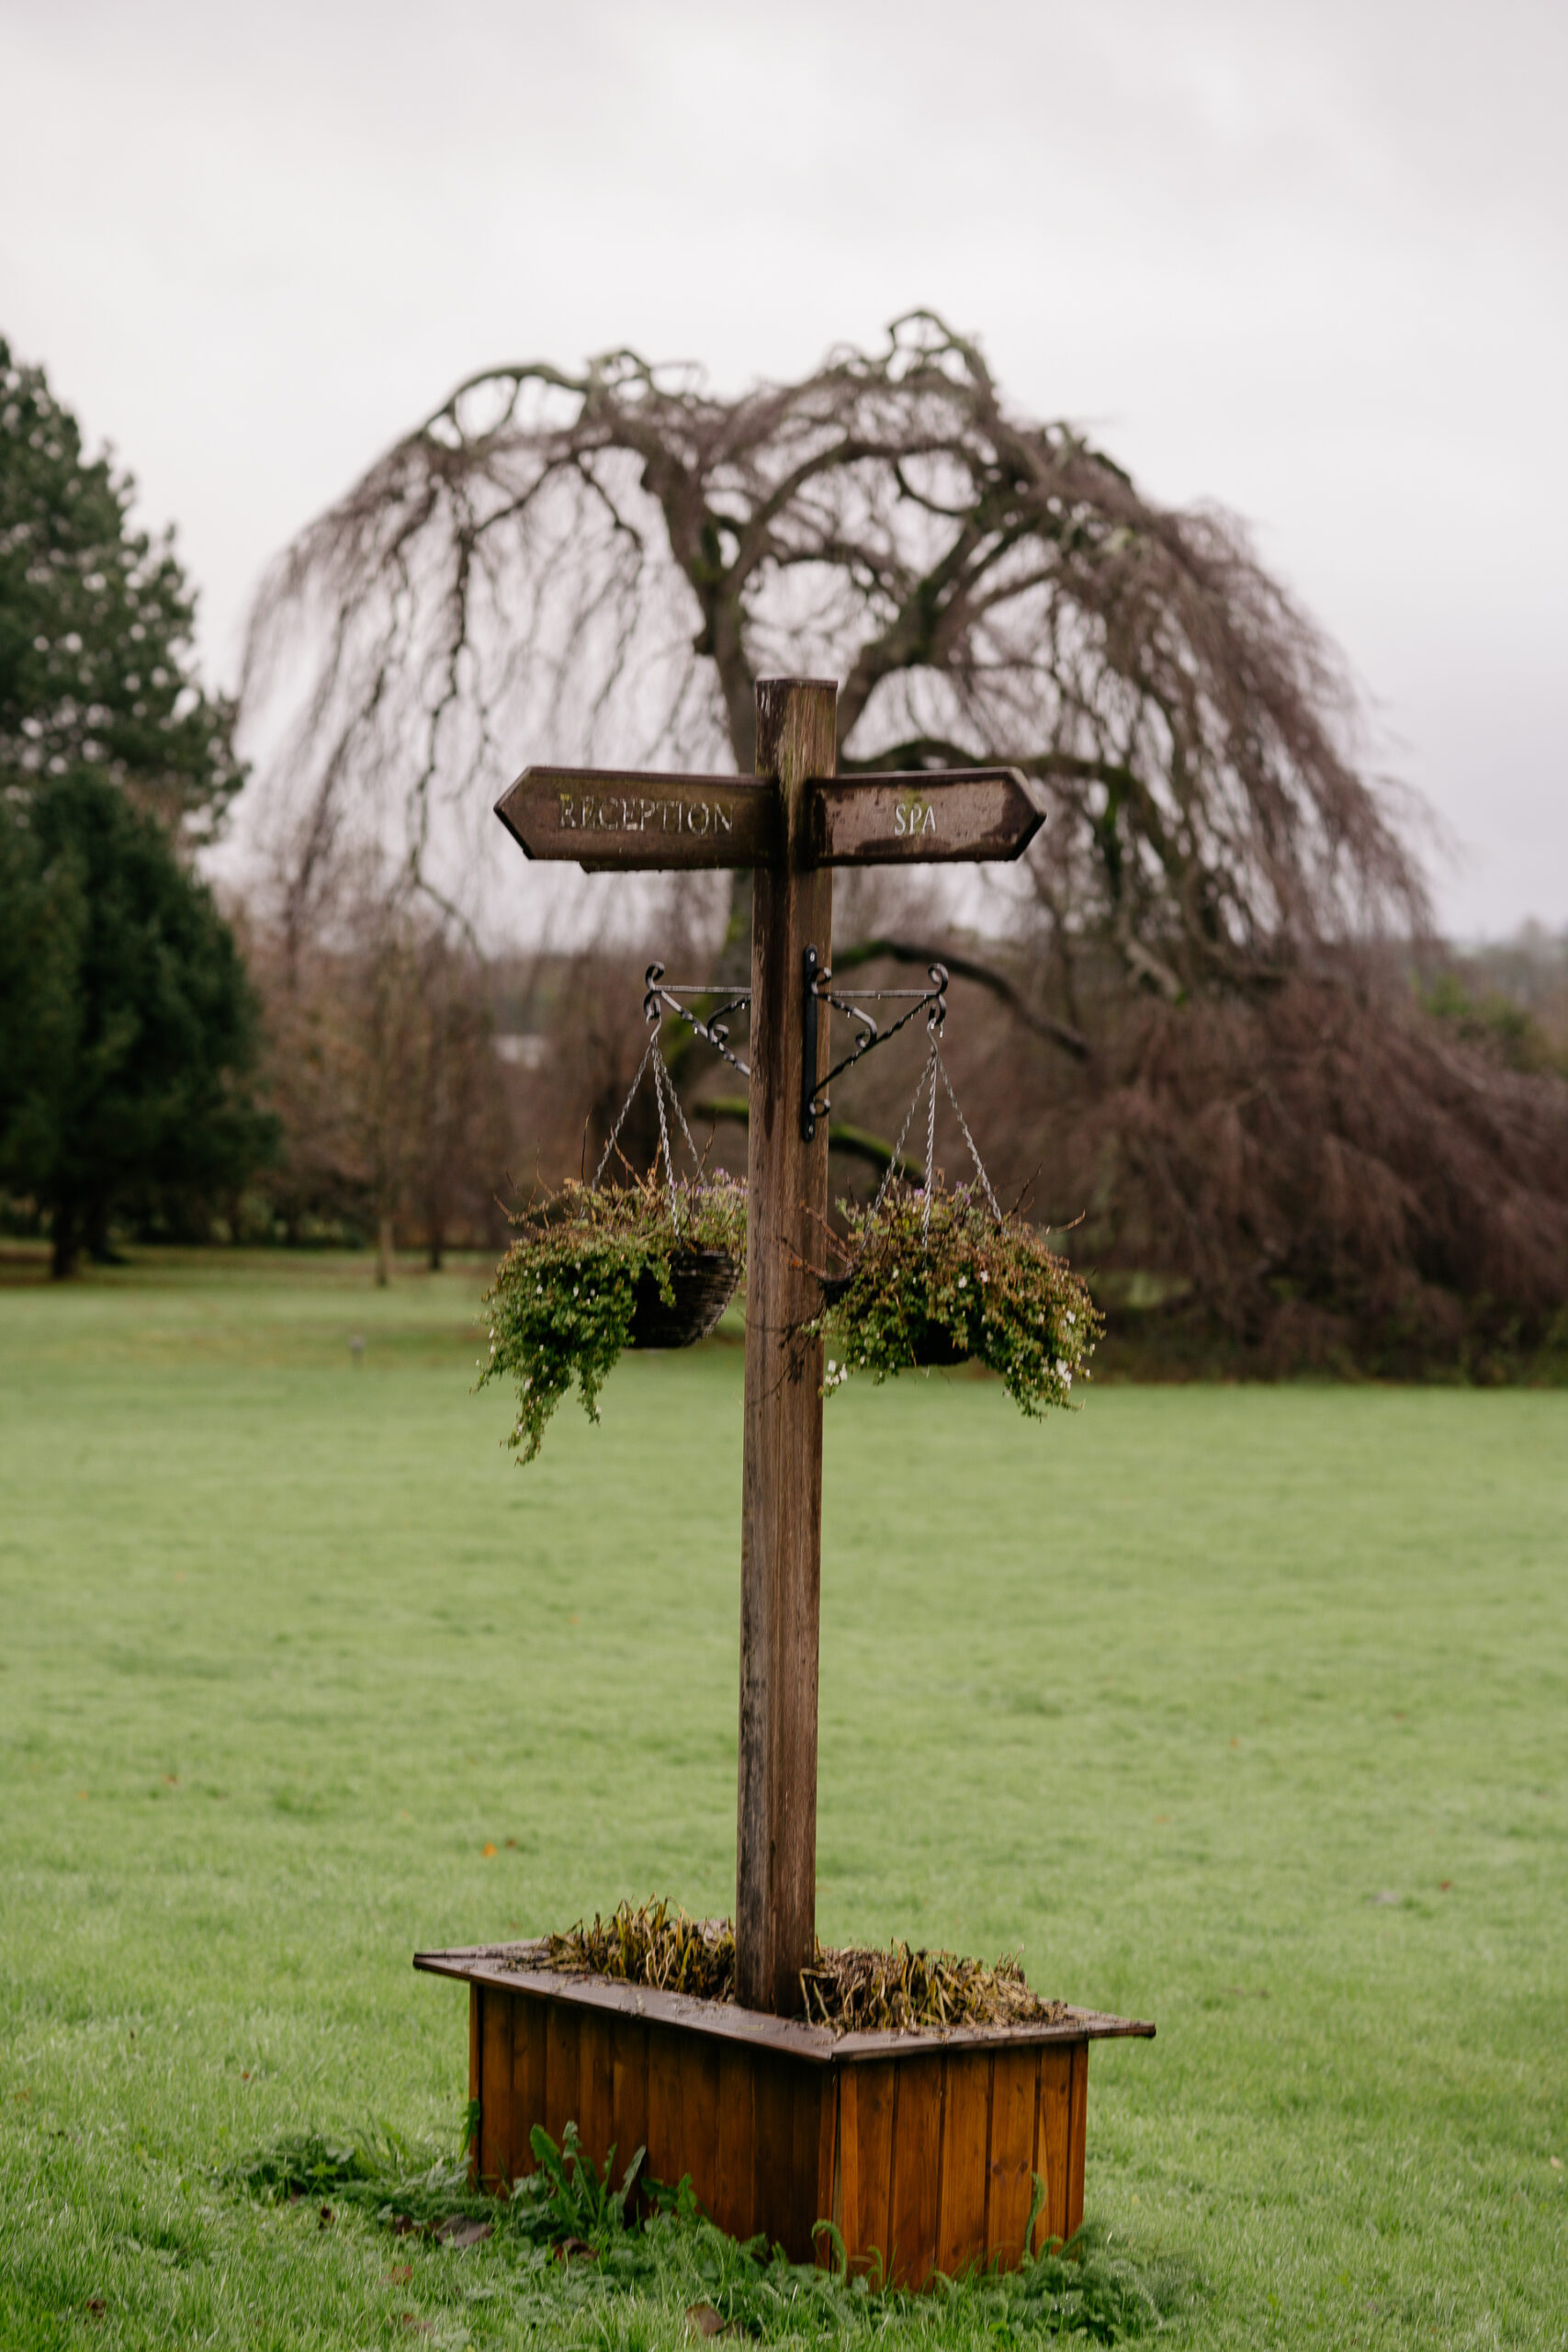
<point x="588" y="1267"/>
<point x="849" y="1991"/>
<point x="942" y="1279"/>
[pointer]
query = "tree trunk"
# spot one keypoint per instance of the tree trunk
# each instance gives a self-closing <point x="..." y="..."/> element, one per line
<point x="384" y="1253"/>
<point x="67" y="1242"/>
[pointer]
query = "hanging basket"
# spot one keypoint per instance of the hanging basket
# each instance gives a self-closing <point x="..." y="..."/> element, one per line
<point x="941" y="1280"/>
<point x="703" y="1282"/>
<point x="938" y="1278"/>
<point x="587" y="1276"/>
<point x="937" y="1348"/>
<point x="652" y="1263"/>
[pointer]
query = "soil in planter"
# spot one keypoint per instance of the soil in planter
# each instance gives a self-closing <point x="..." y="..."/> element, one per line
<point x="851" y="1990"/>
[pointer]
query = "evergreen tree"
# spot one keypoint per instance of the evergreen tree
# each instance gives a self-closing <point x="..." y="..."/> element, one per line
<point x="127" y="1023"/>
<point x="97" y="667"/>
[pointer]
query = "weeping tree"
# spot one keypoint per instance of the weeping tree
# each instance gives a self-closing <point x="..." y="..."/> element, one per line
<point x="597" y="568"/>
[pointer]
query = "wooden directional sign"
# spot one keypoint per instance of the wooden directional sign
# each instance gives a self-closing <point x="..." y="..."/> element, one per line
<point x="793" y="823"/>
<point x="609" y="822"/>
<point x="971" y="813"/>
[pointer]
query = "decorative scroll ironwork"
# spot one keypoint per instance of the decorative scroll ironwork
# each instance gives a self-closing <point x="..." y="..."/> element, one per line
<point x="818" y="990"/>
<point x="661" y="995"/>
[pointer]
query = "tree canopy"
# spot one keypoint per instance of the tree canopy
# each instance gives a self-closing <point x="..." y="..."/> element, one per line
<point x="126" y="1024"/>
<point x="1215" y="1052"/>
<point x="96" y="668"/>
<point x="601" y="565"/>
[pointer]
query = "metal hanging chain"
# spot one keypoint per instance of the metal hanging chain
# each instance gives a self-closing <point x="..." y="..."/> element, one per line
<point x="660" y="1081"/>
<point x="898" y="1151"/>
<point x="926" y="1084"/>
<point x="974" y="1148"/>
<point x="664" y="1090"/>
<point x="670" y="1087"/>
<point x="621" y="1114"/>
<point x="931" y="1145"/>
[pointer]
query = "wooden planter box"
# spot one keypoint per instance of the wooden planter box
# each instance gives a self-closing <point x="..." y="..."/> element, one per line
<point x="920" y="2147"/>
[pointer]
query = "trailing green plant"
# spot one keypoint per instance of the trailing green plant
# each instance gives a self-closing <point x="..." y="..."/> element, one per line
<point x="938" y="1277"/>
<point x="565" y="1293"/>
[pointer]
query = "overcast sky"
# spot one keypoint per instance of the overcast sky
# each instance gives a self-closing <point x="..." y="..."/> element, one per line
<point x="1306" y="258"/>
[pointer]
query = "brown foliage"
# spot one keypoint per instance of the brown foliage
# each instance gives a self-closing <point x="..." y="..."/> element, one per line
<point x="850" y="1990"/>
<point x="1322" y="1174"/>
<point x="1338" y="1177"/>
<point x="380" y="1064"/>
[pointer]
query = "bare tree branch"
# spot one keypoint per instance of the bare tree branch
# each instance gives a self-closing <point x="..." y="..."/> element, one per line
<point x="600" y="565"/>
<point x="855" y="1143"/>
<point x="966" y="968"/>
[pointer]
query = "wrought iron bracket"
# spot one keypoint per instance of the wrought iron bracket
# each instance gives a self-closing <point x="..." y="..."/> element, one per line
<point x="818" y="993"/>
<point x="808" y="1089"/>
<point x="818" y="1001"/>
<point x="661" y="995"/>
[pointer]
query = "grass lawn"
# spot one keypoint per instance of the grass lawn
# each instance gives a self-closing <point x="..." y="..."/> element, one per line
<point x="1246" y="1710"/>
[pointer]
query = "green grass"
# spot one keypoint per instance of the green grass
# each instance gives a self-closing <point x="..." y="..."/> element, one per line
<point x="1245" y="1710"/>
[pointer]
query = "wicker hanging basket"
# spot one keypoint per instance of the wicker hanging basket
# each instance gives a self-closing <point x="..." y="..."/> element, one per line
<point x="704" y="1282"/>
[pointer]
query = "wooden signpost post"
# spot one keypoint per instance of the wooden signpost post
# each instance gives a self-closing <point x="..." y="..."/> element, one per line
<point x="800" y="2126"/>
<point x="792" y="826"/>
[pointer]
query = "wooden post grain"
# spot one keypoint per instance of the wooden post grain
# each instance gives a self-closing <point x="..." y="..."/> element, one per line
<point x="782" y="1503"/>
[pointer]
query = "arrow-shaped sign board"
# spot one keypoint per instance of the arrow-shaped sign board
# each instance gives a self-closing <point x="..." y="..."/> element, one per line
<point x="925" y="818"/>
<point x="607" y="822"/>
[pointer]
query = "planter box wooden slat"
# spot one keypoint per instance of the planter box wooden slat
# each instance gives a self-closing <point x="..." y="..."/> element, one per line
<point x="965" y="2166"/>
<point x="920" y="2147"/>
<point x="1010" y="2163"/>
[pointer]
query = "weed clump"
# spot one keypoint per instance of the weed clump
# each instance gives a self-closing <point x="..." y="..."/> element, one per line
<point x="854" y="1990"/>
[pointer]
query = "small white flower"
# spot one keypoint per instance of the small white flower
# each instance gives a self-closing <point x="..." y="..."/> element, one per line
<point x="1071" y="1316"/>
<point x="962" y="1281"/>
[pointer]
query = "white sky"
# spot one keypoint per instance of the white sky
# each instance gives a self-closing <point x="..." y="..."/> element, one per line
<point x="1303" y="256"/>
